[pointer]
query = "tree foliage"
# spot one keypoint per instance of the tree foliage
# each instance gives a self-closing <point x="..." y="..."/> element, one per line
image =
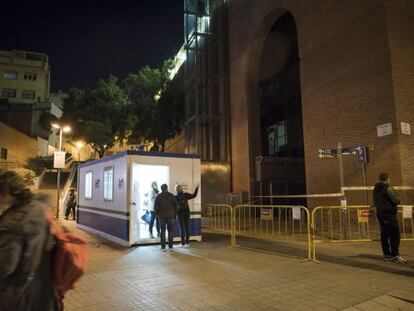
<point x="157" y="113"/>
<point x="99" y="116"/>
<point x="141" y="109"/>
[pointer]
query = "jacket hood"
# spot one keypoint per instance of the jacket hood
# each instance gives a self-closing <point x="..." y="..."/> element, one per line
<point x="17" y="214"/>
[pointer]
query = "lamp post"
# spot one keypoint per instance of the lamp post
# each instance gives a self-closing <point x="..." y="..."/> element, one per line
<point x="61" y="130"/>
<point x="79" y="145"/>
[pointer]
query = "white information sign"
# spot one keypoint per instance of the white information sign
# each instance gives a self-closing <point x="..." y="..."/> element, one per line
<point x="407" y="211"/>
<point x="296" y="213"/>
<point x="384" y="129"/>
<point x="59" y="159"/>
<point x="405" y="128"/>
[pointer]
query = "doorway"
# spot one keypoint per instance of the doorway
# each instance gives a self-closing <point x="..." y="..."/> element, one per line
<point x="143" y="176"/>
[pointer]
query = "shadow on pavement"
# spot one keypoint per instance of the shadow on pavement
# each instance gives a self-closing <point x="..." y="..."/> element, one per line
<point x="345" y="255"/>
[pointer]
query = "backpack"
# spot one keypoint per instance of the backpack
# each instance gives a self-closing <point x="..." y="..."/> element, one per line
<point x="70" y="257"/>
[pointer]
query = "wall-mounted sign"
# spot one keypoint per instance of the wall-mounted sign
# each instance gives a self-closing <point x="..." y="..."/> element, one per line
<point x="59" y="159"/>
<point x="384" y="129"/>
<point x="121" y="183"/>
<point x="405" y="128"/>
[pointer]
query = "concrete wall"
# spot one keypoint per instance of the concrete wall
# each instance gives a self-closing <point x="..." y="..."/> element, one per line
<point x="19" y="147"/>
<point x="346" y="81"/>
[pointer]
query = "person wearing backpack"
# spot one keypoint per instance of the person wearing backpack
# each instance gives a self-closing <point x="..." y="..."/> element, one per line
<point x="26" y="249"/>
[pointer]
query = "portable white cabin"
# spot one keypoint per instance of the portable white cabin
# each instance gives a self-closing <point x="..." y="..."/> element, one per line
<point x="113" y="193"/>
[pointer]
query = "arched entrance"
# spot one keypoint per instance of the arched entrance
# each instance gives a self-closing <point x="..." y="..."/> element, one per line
<point x="280" y="169"/>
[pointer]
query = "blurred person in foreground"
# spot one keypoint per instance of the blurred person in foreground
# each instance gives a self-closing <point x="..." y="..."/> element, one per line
<point x="26" y="249"/>
<point x="386" y="204"/>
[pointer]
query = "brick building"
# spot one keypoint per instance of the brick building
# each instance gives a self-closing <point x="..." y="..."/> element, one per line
<point x="303" y="75"/>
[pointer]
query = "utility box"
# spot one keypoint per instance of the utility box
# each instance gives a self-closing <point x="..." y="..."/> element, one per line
<point x="113" y="194"/>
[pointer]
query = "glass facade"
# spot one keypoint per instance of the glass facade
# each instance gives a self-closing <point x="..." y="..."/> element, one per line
<point x="206" y="125"/>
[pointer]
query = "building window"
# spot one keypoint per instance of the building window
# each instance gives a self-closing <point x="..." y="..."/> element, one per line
<point x="88" y="185"/>
<point x="10" y="75"/>
<point x="277" y="137"/>
<point x="3" y="153"/>
<point x="8" y="93"/>
<point x="108" y="183"/>
<point x="30" y="76"/>
<point x="28" y="94"/>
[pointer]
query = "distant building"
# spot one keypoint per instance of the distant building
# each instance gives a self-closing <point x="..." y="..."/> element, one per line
<point x="25" y="96"/>
<point x="24" y="76"/>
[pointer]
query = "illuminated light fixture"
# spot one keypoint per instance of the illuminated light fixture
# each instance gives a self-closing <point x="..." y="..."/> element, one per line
<point x="65" y="129"/>
<point x="79" y="144"/>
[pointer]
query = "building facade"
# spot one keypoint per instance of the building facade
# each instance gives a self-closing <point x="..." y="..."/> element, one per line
<point x="25" y="76"/>
<point x="295" y="77"/>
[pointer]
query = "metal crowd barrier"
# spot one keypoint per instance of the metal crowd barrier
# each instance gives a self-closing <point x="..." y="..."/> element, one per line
<point x="273" y="222"/>
<point x="219" y="217"/>
<point x="356" y="223"/>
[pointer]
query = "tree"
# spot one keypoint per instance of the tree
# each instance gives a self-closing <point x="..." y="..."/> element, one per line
<point x="158" y="113"/>
<point x="99" y="116"/>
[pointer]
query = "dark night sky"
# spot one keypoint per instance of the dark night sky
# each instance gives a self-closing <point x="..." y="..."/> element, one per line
<point x="87" y="40"/>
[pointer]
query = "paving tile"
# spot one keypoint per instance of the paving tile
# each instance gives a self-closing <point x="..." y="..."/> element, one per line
<point x="212" y="276"/>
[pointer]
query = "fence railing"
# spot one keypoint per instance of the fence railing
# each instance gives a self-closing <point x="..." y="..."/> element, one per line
<point x="356" y="223"/>
<point x="265" y="221"/>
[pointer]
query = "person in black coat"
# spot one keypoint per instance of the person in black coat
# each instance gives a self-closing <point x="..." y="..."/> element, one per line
<point x="26" y="249"/>
<point x="165" y="207"/>
<point x="386" y="204"/>
<point x="71" y="204"/>
<point x="184" y="213"/>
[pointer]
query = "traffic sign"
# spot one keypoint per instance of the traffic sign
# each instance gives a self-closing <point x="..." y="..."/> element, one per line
<point x="59" y="159"/>
<point x="361" y="154"/>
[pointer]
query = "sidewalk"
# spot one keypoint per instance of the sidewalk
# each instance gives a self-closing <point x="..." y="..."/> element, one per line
<point x="211" y="275"/>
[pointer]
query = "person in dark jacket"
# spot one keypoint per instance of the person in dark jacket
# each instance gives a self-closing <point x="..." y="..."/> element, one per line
<point x="184" y="213"/>
<point x="386" y="202"/>
<point x="165" y="207"/>
<point x="71" y="204"/>
<point x="26" y="249"/>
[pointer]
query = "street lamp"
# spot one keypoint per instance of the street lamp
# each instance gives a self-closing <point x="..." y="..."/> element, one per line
<point x="65" y="129"/>
<point x="79" y="145"/>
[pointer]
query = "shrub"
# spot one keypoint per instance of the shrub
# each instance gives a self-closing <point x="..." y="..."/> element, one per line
<point x="26" y="174"/>
<point x="38" y="164"/>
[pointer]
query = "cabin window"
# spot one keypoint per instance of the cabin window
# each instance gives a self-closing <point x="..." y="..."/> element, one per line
<point x="88" y="185"/>
<point x="108" y="183"/>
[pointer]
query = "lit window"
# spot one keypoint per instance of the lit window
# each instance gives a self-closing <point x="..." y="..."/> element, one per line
<point x="10" y="75"/>
<point x="277" y="137"/>
<point x="108" y="183"/>
<point x="88" y="185"/>
<point x="8" y="93"/>
<point x="28" y="94"/>
<point x="30" y="76"/>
